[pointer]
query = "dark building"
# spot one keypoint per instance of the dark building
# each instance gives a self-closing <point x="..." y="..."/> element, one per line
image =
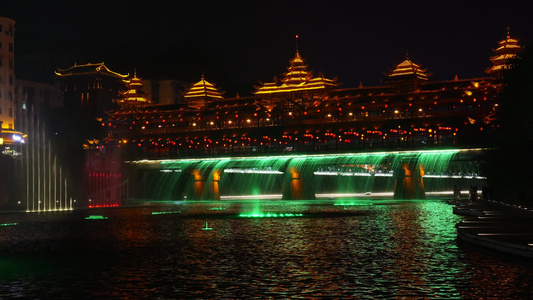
<point x="91" y="88"/>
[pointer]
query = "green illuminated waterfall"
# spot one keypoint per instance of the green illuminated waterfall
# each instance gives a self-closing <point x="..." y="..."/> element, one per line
<point x="404" y="174"/>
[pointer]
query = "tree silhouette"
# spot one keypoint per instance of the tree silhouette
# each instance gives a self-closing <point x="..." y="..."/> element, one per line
<point x="509" y="166"/>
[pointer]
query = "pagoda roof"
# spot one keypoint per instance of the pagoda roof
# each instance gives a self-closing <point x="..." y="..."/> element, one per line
<point x="133" y="95"/>
<point x="505" y="54"/>
<point x="203" y="88"/>
<point x="508" y="45"/>
<point x="89" y="69"/>
<point x="408" y="69"/>
<point x="298" y="78"/>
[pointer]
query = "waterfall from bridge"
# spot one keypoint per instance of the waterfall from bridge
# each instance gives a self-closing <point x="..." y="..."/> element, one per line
<point x="401" y="174"/>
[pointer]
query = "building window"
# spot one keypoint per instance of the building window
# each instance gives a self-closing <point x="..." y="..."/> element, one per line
<point x="10" y="47"/>
<point x="11" y="63"/>
<point x="0" y="110"/>
<point x="0" y="45"/>
<point x="0" y="57"/>
<point x="0" y="94"/>
<point x="11" y="79"/>
<point x="10" y="96"/>
<point x="10" y="112"/>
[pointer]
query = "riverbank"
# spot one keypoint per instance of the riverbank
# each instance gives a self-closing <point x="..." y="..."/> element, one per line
<point x="497" y="226"/>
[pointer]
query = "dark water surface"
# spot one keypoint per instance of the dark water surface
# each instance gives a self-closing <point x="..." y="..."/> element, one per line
<point x="366" y="249"/>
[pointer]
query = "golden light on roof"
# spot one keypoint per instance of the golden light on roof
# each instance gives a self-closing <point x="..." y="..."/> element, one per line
<point x="298" y="78"/>
<point x="506" y="53"/>
<point x="89" y="69"/>
<point x="407" y="68"/>
<point x="133" y="95"/>
<point x="203" y="88"/>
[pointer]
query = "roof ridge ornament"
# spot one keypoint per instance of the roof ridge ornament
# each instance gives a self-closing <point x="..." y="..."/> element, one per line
<point x="297" y="36"/>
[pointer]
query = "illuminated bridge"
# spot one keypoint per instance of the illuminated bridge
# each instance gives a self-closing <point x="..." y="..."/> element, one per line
<point x="399" y="174"/>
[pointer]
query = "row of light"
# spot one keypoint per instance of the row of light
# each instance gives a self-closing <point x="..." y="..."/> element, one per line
<point x="468" y="93"/>
<point x="308" y="136"/>
<point x="253" y="171"/>
<point x="331" y="173"/>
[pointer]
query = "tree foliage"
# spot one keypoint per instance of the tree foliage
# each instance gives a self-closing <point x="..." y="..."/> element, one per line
<point x="509" y="166"/>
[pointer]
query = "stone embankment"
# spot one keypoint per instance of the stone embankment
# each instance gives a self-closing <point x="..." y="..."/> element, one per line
<point x="497" y="226"/>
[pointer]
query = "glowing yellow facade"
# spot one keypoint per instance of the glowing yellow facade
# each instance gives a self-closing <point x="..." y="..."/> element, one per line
<point x="134" y="95"/>
<point x="202" y="93"/>
<point x="407" y="73"/>
<point x="297" y="79"/>
<point x="506" y="53"/>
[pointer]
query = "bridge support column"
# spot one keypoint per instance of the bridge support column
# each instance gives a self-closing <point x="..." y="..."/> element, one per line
<point x="409" y="183"/>
<point x="214" y="188"/>
<point x="298" y="185"/>
<point x="198" y="185"/>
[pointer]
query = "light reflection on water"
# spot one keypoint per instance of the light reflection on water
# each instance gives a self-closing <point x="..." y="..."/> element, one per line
<point x="377" y="249"/>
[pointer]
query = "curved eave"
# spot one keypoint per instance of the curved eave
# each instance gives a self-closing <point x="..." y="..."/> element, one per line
<point x="288" y="89"/>
<point x="203" y="96"/>
<point x="133" y="100"/>
<point x="89" y="69"/>
<point x="513" y="48"/>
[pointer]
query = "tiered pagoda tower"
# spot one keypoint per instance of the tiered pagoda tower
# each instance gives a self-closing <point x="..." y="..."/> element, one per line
<point x="134" y="95"/>
<point x="298" y="88"/>
<point x="202" y="94"/>
<point x="407" y="75"/>
<point x="506" y="53"/>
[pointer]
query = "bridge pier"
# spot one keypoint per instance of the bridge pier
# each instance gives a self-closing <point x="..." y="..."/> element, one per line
<point x="298" y="184"/>
<point x="198" y="185"/>
<point x="408" y="183"/>
<point x="214" y="186"/>
<point x="202" y="188"/>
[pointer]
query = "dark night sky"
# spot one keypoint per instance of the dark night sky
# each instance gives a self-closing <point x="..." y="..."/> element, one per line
<point x="237" y="43"/>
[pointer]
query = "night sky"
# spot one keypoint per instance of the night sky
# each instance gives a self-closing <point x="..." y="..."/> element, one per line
<point x="237" y="43"/>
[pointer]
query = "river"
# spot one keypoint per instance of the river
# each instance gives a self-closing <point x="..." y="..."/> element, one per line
<point x="252" y="249"/>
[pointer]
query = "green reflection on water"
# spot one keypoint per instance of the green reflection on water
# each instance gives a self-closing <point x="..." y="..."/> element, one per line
<point x="95" y="217"/>
<point x="165" y="212"/>
<point x="9" y="224"/>
<point x="270" y="215"/>
<point x="352" y="203"/>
